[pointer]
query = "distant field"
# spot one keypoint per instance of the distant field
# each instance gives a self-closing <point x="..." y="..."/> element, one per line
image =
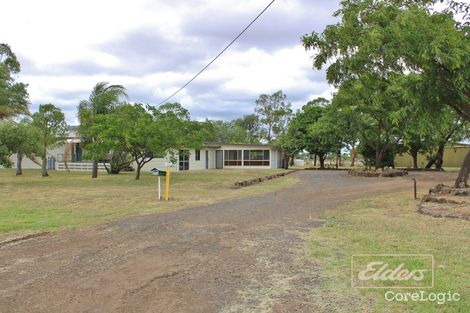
<point x="390" y="224"/>
<point x="31" y="202"/>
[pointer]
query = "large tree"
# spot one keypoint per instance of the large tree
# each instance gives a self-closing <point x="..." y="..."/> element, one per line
<point x="13" y="95"/>
<point x="20" y="139"/>
<point x="51" y="129"/>
<point x="104" y="99"/>
<point x="251" y="125"/>
<point x="303" y="134"/>
<point x="242" y="130"/>
<point x="337" y="127"/>
<point x="274" y="113"/>
<point x="401" y="37"/>
<point x="144" y="133"/>
<point x="379" y="114"/>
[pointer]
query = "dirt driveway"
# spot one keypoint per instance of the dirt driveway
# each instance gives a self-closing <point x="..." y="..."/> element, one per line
<point x="239" y="256"/>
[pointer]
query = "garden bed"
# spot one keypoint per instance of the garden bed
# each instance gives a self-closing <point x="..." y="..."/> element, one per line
<point x="378" y="173"/>
<point x="445" y="201"/>
<point x="254" y="181"/>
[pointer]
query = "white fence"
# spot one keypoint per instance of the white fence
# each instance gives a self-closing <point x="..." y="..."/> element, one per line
<point x="80" y="166"/>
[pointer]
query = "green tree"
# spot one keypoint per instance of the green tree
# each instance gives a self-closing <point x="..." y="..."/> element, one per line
<point x="379" y="113"/>
<point x="241" y="130"/>
<point x="303" y="135"/>
<point x="226" y="132"/>
<point x="19" y="138"/>
<point x="337" y="128"/>
<point x="145" y="133"/>
<point x="51" y="129"/>
<point x="13" y="95"/>
<point x="274" y="113"/>
<point x="410" y="38"/>
<point x="104" y="99"/>
<point x="449" y="128"/>
<point x="250" y="124"/>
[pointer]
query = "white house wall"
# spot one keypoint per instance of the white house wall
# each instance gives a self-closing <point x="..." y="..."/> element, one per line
<point x="194" y="165"/>
<point x="28" y="164"/>
<point x="159" y="163"/>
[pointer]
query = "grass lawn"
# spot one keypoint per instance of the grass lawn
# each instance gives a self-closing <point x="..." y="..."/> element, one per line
<point x="390" y="225"/>
<point x="31" y="202"/>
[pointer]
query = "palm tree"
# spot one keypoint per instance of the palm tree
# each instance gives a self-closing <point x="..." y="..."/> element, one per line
<point x="104" y="99"/>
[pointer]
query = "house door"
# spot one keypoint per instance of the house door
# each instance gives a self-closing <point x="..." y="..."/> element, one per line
<point x="183" y="160"/>
<point x="219" y="159"/>
<point x="207" y="159"/>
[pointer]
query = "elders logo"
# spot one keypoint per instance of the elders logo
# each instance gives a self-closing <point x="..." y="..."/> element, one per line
<point x="392" y="271"/>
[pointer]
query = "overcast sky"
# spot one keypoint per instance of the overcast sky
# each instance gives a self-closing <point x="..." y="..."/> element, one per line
<point x="153" y="47"/>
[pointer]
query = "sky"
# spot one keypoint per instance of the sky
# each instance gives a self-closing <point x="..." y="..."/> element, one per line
<point x="153" y="47"/>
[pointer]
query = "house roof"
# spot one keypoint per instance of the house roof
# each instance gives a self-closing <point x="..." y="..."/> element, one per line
<point x="219" y="144"/>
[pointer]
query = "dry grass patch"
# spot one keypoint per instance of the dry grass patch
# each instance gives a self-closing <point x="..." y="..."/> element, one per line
<point x="31" y="202"/>
<point x="390" y="224"/>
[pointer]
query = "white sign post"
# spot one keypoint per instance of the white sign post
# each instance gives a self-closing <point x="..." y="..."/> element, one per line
<point x="159" y="190"/>
<point x="158" y="173"/>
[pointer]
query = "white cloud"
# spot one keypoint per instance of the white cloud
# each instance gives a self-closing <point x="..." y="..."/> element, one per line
<point x="154" y="47"/>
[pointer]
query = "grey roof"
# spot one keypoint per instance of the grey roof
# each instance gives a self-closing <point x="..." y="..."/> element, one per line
<point x="219" y="144"/>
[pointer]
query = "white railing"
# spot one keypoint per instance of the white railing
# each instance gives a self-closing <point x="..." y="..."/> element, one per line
<point x="80" y="166"/>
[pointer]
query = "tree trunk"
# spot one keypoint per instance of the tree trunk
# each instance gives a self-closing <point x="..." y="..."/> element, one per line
<point x="292" y="160"/>
<point x="379" y="156"/>
<point x="414" y="155"/>
<point x="430" y="163"/>
<point x="315" y="160"/>
<point x="286" y="163"/>
<point x="44" y="166"/>
<point x="338" y="159"/>
<point x="353" y="157"/>
<point x="137" y="171"/>
<point x="322" y="161"/>
<point x="440" y="157"/>
<point x="32" y="157"/>
<point x="94" y="171"/>
<point x="106" y="168"/>
<point x="19" y="160"/>
<point x="462" y="179"/>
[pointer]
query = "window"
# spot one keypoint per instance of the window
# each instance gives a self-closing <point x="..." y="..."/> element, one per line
<point x="233" y="157"/>
<point x="256" y="157"/>
<point x="183" y="158"/>
<point x="197" y="155"/>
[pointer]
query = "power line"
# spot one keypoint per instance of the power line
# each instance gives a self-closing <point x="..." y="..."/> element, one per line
<point x="218" y="55"/>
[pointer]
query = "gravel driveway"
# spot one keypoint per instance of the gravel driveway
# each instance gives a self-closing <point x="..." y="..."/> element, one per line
<point x="243" y="255"/>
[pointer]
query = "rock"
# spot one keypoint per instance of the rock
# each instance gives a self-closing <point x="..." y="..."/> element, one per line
<point x="440" y="189"/>
<point x="445" y="201"/>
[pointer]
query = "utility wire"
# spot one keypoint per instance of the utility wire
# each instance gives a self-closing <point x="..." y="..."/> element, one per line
<point x="225" y="49"/>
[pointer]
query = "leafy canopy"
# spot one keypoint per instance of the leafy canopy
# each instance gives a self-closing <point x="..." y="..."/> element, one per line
<point x="13" y="95"/>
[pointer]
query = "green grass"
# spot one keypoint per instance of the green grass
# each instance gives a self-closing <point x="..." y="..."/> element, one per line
<point x="67" y="200"/>
<point x="390" y="225"/>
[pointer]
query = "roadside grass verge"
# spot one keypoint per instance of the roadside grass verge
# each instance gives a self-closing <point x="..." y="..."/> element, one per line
<point x="390" y="225"/>
<point x="66" y="200"/>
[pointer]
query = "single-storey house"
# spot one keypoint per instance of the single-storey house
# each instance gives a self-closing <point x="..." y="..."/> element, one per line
<point x="219" y="156"/>
<point x="210" y="156"/>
